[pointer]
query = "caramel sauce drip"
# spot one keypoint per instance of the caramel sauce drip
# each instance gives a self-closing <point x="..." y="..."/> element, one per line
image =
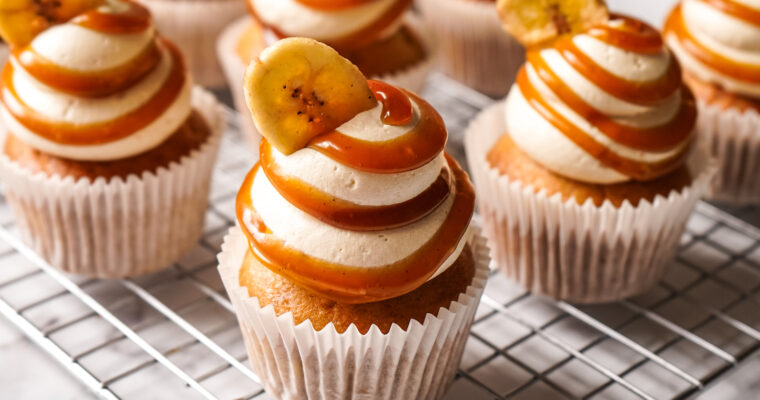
<point x="347" y="215"/>
<point x="736" y="9"/>
<point x="355" y="284"/>
<point x="134" y="19"/>
<point x="407" y="152"/>
<point x="89" y="84"/>
<point x="629" y="34"/>
<point x="360" y="38"/>
<point x="333" y="4"/>
<point x="659" y="138"/>
<point x="90" y="134"/>
<point x="724" y="65"/>
<point x="635" y="169"/>
<point x="397" y="108"/>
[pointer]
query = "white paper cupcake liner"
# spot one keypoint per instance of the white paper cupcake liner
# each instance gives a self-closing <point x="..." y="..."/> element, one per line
<point x="733" y="137"/>
<point x="412" y="78"/>
<point x="580" y="253"/>
<point x="473" y="47"/>
<point x="195" y="25"/>
<point x="298" y="362"/>
<point x="119" y="227"/>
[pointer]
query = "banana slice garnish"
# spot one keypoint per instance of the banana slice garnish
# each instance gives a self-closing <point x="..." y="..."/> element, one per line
<point x="538" y="22"/>
<point x="300" y="88"/>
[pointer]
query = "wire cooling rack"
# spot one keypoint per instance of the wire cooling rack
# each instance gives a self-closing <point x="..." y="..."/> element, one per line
<point x="173" y="334"/>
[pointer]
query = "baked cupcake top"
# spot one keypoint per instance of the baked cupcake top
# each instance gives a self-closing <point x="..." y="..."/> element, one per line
<point x="605" y="105"/>
<point x="363" y="208"/>
<point x="719" y="42"/>
<point x="100" y="84"/>
<point x="343" y="24"/>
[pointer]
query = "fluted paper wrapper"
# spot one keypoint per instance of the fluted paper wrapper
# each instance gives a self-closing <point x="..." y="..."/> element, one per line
<point x="733" y="137"/>
<point x="119" y="227"/>
<point x="195" y="25"/>
<point x="298" y="362"/>
<point x="473" y="47"/>
<point x="580" y="253"/>
<point x="412" y="78"/>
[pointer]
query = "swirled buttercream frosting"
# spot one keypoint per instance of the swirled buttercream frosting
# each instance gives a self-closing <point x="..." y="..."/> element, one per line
<point x="719" y="42"/>
<point x="604" y="106"/>
<point x="343" y="24"/>
<point x="101" y="86"/>
<point x="369" y="211"/>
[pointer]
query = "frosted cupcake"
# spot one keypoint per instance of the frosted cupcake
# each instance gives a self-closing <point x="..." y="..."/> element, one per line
<point x="718" y="44"/>
<point x="585" y="178"/>
<point x="472" y="46"/>
<point x="380" y="37"/>
<point x="195" y="26"/>
<point x="108" y="149"/>
<point x="354" y="271"/>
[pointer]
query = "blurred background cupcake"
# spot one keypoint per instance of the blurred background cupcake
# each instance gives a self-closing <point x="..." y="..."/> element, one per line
<point x="472" y="45"/>
<point x="381" y="37"/>
<point x="109" y="148"/>
<point x="195" y="25"/>
<point x="718" y="45"/>
<point x="586" y="178"/>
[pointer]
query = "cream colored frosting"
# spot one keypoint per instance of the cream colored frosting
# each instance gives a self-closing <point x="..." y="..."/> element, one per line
<point x="74" y="47"/>
<point x="546" y="144"/>
<point x="723" y="34"/>
<point x="302" y="232"/>
<point x="295" y="19"/>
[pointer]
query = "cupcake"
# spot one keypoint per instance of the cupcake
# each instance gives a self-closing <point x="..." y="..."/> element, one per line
<point x="194" y="26"/>
<point x="108" y="148"/>
<point x="380" y="37"/>
<point x="354" y="269"/>
<point x="718" y="45"/>
<point x="472" y="46"/>
<point x="585" y="176"/>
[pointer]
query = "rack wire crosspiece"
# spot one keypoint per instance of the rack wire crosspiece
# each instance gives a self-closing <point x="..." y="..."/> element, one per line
<point x="174" y="333"/>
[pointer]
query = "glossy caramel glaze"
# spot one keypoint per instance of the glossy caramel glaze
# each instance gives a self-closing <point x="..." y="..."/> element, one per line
<point x="78" y="134"/>
<point x="738" y="70"/>
<point x="356" y="284"/>
<point x="360" y="38"/>
<point x="347" y="215"/>
<point x="134" y="18"/>
<point x="333" y="4"/>
<point x="410" y="151"/>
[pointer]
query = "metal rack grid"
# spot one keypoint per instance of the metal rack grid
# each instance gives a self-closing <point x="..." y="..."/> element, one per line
<point x="174" y="333"/>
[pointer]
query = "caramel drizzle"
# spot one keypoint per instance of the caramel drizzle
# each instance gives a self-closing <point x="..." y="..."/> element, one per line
<point x="724" y="65"/>
<point x="630" y="34"/>
<point x="659" y="138"/>
<point x="358" y="39"/>
<point x="134" y="19"/>
<point x="333" y="4"/>
<point x="635" y="169"/>
<point x="89" y="84"/>
<point x="736" y="9"/>
<point x="345" y="214"/>
<point x="355" y="284"/>
<point x="407" y="152"/>
<point x="637" y="92"/>
<point x="91" y="134"/>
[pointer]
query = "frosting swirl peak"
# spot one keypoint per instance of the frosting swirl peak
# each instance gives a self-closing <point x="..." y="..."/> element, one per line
<point x="719" y="42"/>
<point x="101" y="86"/>
<point x="604" y="106"/>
